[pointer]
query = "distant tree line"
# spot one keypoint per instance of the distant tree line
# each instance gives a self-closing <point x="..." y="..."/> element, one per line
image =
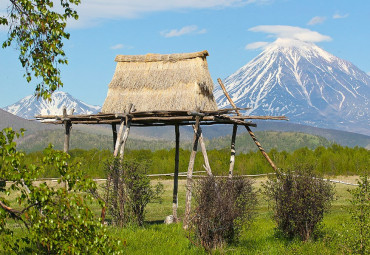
<point x="332" y="160"/>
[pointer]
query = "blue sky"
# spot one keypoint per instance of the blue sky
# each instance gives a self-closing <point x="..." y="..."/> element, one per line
<point x="230" y="30"/>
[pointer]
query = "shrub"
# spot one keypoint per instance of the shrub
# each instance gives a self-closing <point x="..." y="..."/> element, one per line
<point x="358" y="228"/>
<point x="57" y="217"/>
<point x="299" y="200"/>
<point x="128" y="191"/>
<point x="223" y="207"/>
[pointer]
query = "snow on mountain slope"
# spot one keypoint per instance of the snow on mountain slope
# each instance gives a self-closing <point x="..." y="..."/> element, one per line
<point x="305" y="83"/>
<point x="30" y="106"/>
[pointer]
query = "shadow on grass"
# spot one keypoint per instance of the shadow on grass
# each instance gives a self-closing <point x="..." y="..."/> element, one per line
<point x="154" y="222"/>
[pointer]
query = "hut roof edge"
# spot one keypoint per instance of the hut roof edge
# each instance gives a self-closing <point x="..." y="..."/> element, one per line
<point x="160" y="57"/>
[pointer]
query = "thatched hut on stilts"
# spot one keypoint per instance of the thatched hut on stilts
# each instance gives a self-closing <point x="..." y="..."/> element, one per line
<point x="161" y="90"/>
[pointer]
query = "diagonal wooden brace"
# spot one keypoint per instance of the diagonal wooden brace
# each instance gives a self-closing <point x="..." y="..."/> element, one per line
<point x="248" y="129"/>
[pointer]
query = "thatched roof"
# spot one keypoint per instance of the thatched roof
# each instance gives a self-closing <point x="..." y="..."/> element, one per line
<point x="161" y="82"/>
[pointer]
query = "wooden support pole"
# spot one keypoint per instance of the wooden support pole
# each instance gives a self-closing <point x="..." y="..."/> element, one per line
<point x="248" y="129"/>
<point x="207" y="166"/>
<point x="189" y="177"/>
<point x="125" y="136"/>
<point x="122" y="136"/>
<point x="114" y="131"/>
<point x="119" y="138"/>
<point x="67" y="136"/>
<point x="67" y="129"/>
<point x="232" y="157"/>
<point x="176" y="175"/>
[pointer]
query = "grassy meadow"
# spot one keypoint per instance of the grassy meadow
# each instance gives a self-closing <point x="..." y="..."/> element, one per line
<point x="155" y="237"/>
<point x="259" y="238"/>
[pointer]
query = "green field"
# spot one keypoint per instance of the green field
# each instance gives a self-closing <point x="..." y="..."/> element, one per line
<point x="260" y="238"/>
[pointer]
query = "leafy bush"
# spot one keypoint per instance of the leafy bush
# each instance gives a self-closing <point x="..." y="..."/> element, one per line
<point x="223" y="207"/>
<point x="128" y="191"/>
<point x="299" y="200"/>
<point x="57" y="217"/>
<point x="358" y="229"/>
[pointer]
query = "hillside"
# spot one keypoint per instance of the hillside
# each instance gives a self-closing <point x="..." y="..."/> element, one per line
<point x="9" y="120"/>
<point x="80" y="139"/>
<point x="287" y="141"/>
<point x="281" y="141"/>
<point x="343" y="138"/>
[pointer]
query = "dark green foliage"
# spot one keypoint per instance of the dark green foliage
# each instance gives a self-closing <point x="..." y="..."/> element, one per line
<point x="37" y="28"/>
<point x="358" y="228"/>
<point x="223" y="207"/>
<point x="334" y="160"/>
<point x="299" y="200"/>
<point x="57" y="218"/>
<point x="128" y="191"/>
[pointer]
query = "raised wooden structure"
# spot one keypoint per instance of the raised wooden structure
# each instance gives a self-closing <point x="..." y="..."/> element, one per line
<point x="163" y="88"/>
<point x="196" y="118"/>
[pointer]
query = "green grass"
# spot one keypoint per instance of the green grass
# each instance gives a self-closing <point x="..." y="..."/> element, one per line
<point x="260" y="238"/>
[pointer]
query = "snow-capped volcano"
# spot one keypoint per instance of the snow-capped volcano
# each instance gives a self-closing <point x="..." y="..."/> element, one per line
<point x="29" y="106"/>
<point x="305" y="83"/>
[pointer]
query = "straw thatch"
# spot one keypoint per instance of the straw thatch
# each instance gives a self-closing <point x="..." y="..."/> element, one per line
<point x="161" y="82"/>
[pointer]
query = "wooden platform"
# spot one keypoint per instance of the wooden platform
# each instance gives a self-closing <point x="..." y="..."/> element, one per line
<point x="161" y="118"/>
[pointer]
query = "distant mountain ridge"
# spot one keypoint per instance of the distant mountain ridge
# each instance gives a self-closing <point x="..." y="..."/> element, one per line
<point x="305" y="83"/>
<point x="29" y="106"/>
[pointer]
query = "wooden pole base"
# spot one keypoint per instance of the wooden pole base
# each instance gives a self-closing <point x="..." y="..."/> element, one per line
<point x="176" y="175"/>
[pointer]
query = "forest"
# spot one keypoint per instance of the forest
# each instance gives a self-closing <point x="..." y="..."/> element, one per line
<point x="333" y="160"/>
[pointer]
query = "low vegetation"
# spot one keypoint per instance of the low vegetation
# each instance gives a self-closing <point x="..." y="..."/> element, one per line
<point x="357" y="235"/>
<point x="299" y="200"/>
<point x="57" y="219"/>
<point x="128" y="191"/>
<point x="224" y="206"/>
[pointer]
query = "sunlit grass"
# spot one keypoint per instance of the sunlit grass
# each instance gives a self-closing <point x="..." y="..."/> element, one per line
<point x="259" y="238"/>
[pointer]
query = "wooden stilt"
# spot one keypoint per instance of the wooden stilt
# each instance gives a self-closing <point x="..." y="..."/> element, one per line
<point x="67" y="129"/>
<point x="248" y="129"/>
<point x="232" y="157"/>
<point x="114" y="131"/>
<point x="67" y="136"/>
<point x="204" y="151"/>
<point x="119" y="138"/>
<point x="124" y="138"/>
<point x="189" y="179"/>
<point x="176" y="174"/>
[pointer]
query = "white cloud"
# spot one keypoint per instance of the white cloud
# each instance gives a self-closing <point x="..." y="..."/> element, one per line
<point x="316" y="20"/>
<point x="339" y="16"/>
<point x="256" y="45"/>
<point x="298" y="33"/>
<point x="92" y="12"/>
<point x="368" y="73"/>
<point x="183" y="31"/>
